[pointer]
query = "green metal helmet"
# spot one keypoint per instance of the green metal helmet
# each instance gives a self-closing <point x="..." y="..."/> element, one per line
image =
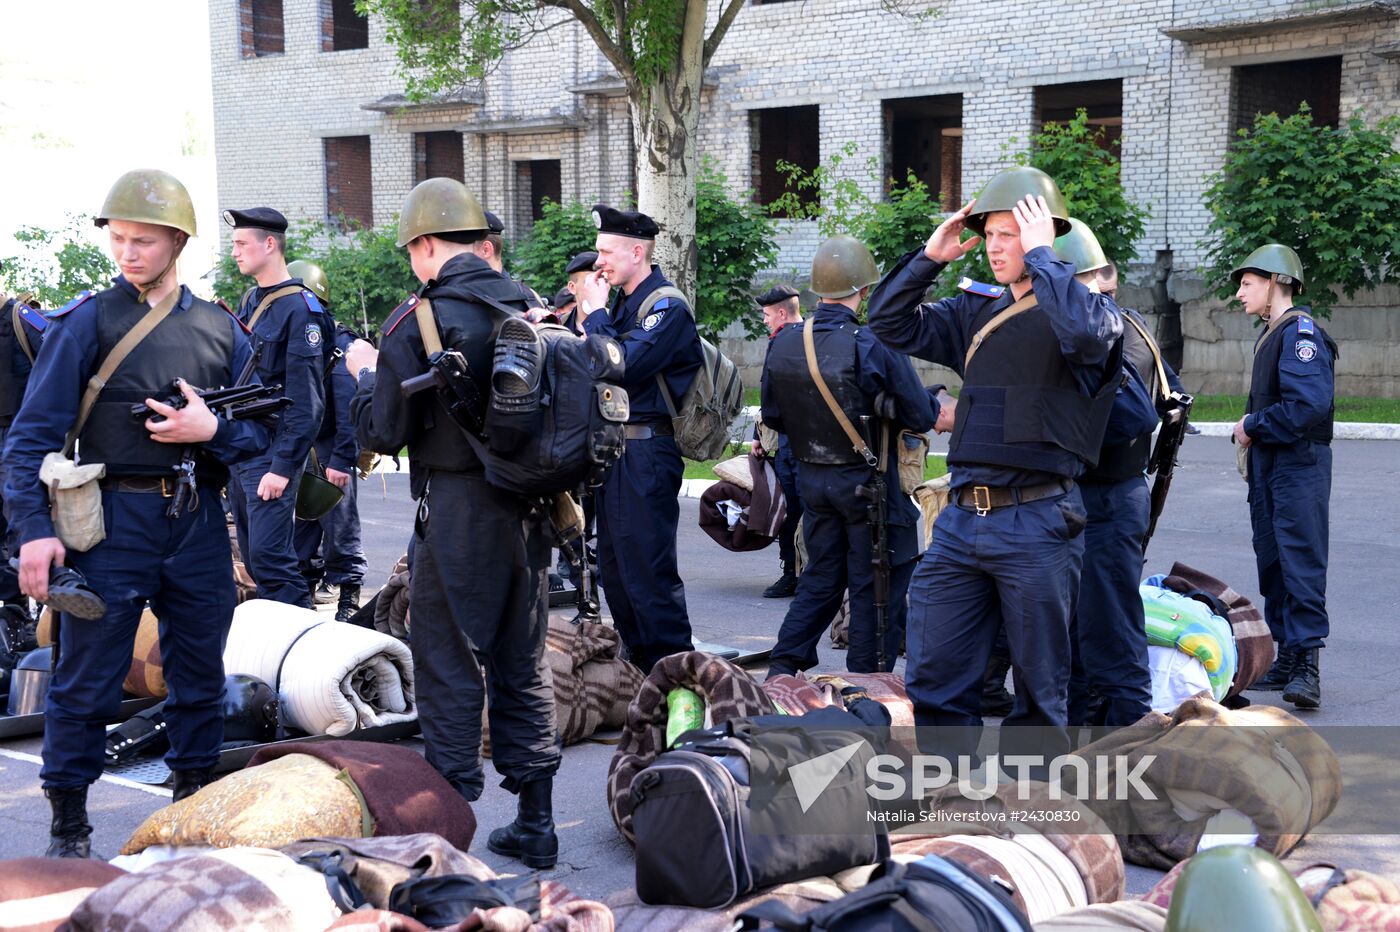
<point x="842" y="266"/>
<point x="149" y="195"/>
<point x="1275" y="261"/>
<point x="1014" y="185"/>
<point x="1246" y="884"/>
<point x="439" y="205"/>
<point x="316" y="496"/>
<point x="1080" y="248"/>
<point x="313" y="277"/>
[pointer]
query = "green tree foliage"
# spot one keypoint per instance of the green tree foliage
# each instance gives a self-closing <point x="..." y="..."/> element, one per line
<point x="55" y="265"/>
<point x="369" y="275"/>
<point x="735" y="241"/>
<point x="562" y="232"/>
<point x="1331" y="194"/>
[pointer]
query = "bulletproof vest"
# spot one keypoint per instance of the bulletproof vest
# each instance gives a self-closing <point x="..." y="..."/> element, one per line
<point x="468" y="325"/>
<point x="11" y="384"/>
<point x="194" y="344"/>
<point x="1122" y="461"/>
<point x="812" y="430"/>
<point x="1264" y="384"/>
<point x="1020" y="405"/>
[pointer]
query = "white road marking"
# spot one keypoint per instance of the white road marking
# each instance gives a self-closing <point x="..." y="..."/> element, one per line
<point x="110" y="778"/>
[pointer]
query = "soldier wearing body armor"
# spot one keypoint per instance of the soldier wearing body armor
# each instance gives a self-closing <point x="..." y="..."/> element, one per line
<point x="869" y="384"/>
<point x="180" y="563"/>
<point x="329" y="548"/>
<point x="1287" y="432"/>
<point x="1040" y="360"/>
<point x="289" y="331"/>
<point x="480" y="553"/>
<point x="22" y="329"/>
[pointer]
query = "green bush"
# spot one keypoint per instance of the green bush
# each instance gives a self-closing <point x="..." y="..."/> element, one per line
<point x="562" y="232"/>
<point x="1331" y="194"/>
<point x="735" y="241"/>
<point x="55" y="265"/>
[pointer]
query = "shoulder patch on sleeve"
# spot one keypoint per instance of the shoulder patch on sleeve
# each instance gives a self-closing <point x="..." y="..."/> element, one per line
<point x="1305" y="350"/>
<point x="399" y="313"/>
<point x="652" y="320"/>
<point x="1306" y="327"/>
<point x="83" y="296"/>
<point x="981" y="288"/>
<point x="37" y="321"/>
<point x="311" y="302"/>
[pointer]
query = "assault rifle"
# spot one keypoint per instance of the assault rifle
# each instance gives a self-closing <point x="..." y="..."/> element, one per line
<point x="239" y="403"/>
<point x="449" y="375"/>
<point x="1175" y="418"/>
<point x="875" y="494"/>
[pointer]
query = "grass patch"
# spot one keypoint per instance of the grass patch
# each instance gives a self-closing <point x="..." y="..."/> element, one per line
<point x="1230" y="408"/>
<point x="934" y="467"/>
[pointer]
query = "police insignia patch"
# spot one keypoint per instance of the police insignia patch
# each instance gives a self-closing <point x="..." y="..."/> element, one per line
<point x="651" y="321"/>
<point x="1306" y="350"/>
<point x="313" y="335"/>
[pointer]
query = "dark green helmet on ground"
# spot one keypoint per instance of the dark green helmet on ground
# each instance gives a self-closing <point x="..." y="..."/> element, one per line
<point x="439" y="205"/>
<point x="1012" y="186"/>
<point x="149" y="195"/>
<point x="1242" y="888"/>
<point x="1275" y="261"/>
<point x="1080" y="248"/>
<point x="842" y="266"/>
<point x="313" y="277"/>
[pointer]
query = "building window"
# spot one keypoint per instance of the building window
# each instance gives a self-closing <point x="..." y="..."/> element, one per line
<point x="260" y="28"/>
<point x="536" y="181"/>
<point x="1280" y="87"/>
<point x="349" y="189"/>
<point x="783" y="134"/>
<point x="437" y="155"/>
<point x="1102" y="100"/>
<point x="923" y="138"/>
<point x="342" y="26"/>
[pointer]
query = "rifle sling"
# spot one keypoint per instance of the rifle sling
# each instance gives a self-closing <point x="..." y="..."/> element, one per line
<point x="857" y="442"/>
<point x="993" y="325"/>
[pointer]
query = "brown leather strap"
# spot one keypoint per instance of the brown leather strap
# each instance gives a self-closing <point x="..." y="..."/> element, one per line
<point x="1285" y="318"/>
<point x="857" y="443"/>
<point x="1162" y="387"/>
<point x="148" y="322"/>
<point x="20" y="335"/>
<point x="267" y="300"/>
<point x="991" y="326"/>
<point x="427" y="327"/>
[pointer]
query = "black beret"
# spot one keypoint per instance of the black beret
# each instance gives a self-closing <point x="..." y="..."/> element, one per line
<point x="624" y="222"/>
<point x="493" y="223"/>
<point x="775" y="295"/>
<point x="563" y="299"/>
<point x="264" y="218"/>
<point x="583" y="262"/>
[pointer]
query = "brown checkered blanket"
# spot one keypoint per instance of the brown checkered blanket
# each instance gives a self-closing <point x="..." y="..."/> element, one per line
<point x="391" y="606"/>
<point x="728" y="691"/>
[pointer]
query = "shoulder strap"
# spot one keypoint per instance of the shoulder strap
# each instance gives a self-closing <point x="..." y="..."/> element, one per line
<point x="148" y="322"/>
<point x="651" y="300"/>
<point x="20" y="336"/>
<point x="1162" y="386"/>
<point x="991" y="326"/>
<point x="427" y="326"/>
<point x="266" y="302"/>
<point x="857" y="443"/>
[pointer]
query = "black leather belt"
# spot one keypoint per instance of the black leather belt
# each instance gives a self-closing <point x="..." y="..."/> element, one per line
<point x="162" y="484"/>
<point x="647" y="431"/>
<point x="983" y="498"/>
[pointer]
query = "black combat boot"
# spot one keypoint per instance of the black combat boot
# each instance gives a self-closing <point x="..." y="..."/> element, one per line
<point x="997" y="700"/>
<point x="530" y="839"/>
<point x="784" y="588"/>
<point x="1304" y="689"/>
<point x="1280" y="674"/>
<point x="349" y="602"/>
<point x="70" y="834"/>
<point x="189" y="782"/>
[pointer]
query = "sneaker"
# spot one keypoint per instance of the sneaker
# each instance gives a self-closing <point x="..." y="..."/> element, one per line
<point x="325" y="594"/>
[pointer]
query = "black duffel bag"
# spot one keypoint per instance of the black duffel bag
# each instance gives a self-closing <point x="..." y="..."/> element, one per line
<point x="699" y="843"/>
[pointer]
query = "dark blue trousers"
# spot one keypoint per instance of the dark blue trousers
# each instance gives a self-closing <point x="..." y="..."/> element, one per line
<point x="836" y="530"/>
<point x="1109" y="680"/>
<point x="638" y="513"/>
<point x="336" y="537"/>
<point x="785" y="465"/>
<point x="183" y="567"/>
<point x="1289" y="488"/>
<point x="265" y="534"/>
<point x="9" y="579"/>
<point x="1018" y="566"/>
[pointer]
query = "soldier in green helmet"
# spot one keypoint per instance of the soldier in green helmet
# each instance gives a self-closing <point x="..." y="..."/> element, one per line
<point x="841" y="456"/>
<point x="480" y="553"/>
<point x="1287" y="433"/>
<point x="142" y="333"/>
<point x="1040" y="358"/>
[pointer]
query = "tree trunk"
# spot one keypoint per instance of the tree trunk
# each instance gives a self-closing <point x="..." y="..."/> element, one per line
<point x="666" y="117"/>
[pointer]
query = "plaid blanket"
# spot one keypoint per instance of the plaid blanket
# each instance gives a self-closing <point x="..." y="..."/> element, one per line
<point x="391" y="606"/>
<point x="728" y="691"/>
<point x="632" y="915"/>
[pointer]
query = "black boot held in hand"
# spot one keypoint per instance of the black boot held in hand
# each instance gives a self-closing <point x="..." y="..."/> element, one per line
<point x="530" y="839"/>
<point x="70" y="833"/>
<point x="1280" y="674"/>
<point x="1305" y="688"/>
<point x="189" y="782"/>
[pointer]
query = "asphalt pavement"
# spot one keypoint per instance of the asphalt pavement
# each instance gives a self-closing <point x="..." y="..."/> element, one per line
<point x="1206" y="524"/>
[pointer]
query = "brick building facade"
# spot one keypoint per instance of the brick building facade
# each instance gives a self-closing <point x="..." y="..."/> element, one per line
<point x="309" y="117"/>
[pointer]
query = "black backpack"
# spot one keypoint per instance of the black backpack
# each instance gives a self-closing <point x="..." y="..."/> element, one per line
<point x="929" y="895"/>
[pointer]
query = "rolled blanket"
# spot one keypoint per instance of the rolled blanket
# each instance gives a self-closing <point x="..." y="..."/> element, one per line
<point x="1253" y="642"/>
<point x="331" y="678"/>
<point x="146" y="677"/>
<point x="728" y="691"/>
<point x="402" y="791"/>
<point x="1125" y="915"/>
<point x="391" y="607"/>
<point x="1041" y="878"/>
<point x="632" y="915"/>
